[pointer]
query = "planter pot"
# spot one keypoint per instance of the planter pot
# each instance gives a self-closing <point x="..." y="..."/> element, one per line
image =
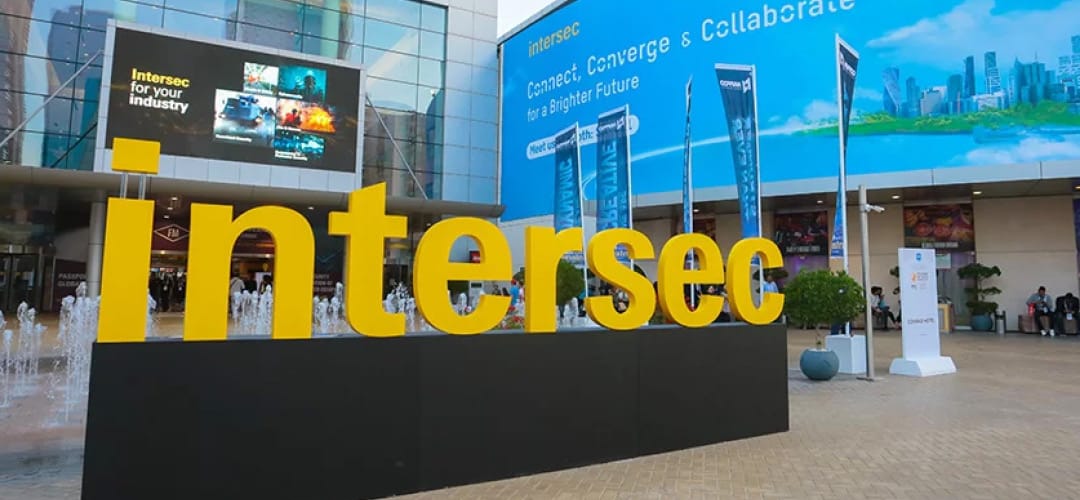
<point x="982" y="323"/>
<point x="819" y="365"/>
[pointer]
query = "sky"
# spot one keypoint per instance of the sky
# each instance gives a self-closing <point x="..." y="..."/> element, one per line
<point x="513" y="12"/>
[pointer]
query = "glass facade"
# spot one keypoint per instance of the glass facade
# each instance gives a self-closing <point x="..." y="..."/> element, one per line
<point x="402" y="44"/>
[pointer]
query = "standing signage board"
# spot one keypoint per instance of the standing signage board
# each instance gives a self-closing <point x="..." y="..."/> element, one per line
<point x="918" y="298"/>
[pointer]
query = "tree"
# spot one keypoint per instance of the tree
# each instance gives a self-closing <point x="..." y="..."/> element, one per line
<point x="569" y="282"/>
<point x="979" y="295"/>
<point x="823" y="298"/>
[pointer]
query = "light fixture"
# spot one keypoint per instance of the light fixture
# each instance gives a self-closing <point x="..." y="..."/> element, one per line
<point x="168" y="208"/>
<point x="696" y="210"/>
<point x="310" y="207"/>
<point x="821" y="202"/>
<point x="166" y="216"/>
<point x="896" y="197"/>
<point x="174" y="198"/>
<point x="1077" y="187"/>
<point x="976" y="193"/>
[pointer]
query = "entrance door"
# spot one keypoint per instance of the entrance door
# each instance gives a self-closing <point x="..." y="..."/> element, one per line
<point x="18" y="281"/>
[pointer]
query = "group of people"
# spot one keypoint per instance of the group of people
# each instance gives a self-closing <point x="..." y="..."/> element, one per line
<point x="1050" y="315"/>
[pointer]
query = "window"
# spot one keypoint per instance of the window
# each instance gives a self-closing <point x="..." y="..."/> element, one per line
<point x="433" y="18"/>
<point x="56" y="11"/>
<point x="431" y="73"/>
<point x="194" y="24"/>
<point x="135" y="12"/>
<point x="333" y="25"/>
<point x="90" y="43"/>
<point x="392" y="95"/>
<point x="349" y="6"/>
<point x="55" y="72"/>
<point x="278" y="14"/>
<point x="42" y="39"/>
<point x="393" y="37"/>
<point x="333" y="49"/>
<point x="225" y="9"/>
<point x="267" y="37"/>
<point x="433" y="45"/>
<point x="396" y="11"/>
<point x="391" y="65"/>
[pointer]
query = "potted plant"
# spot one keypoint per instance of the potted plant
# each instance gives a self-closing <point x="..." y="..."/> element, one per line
<point x="979" y="294"/>
<point x="822" y="298"/>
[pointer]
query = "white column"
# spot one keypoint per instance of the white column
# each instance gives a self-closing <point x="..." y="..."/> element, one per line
<point x="96" y="244"/>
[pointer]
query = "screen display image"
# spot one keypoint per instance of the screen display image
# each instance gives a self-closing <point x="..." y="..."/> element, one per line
<point x="260" y="78"/>
<point x="945" y="227"/>
<point x="242" y="118"/>
<point x="940" y="84"/>
<point x="247" y="106"/>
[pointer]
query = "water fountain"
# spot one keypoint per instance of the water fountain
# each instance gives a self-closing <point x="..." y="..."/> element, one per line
<point x="70" y="378"/>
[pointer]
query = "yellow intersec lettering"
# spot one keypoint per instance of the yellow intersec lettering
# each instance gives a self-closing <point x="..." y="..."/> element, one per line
<point x="128" y="230"/>
<point x="602" y="261"/>
<point x="432" y="271"/>
<point x="673" y="277"/>
<point x="366" y="227"/>
<point x="740" y="281"/>
<point x="213" y="234"/>
<point x="543" y="251"/>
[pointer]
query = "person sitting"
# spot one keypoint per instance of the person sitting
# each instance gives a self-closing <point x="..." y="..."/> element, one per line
<point x="1041" y="311"/>
<point x="1067" y="308"/>
<point x="881" y="308"/>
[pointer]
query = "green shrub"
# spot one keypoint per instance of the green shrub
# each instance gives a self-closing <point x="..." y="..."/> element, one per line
<point x="822" y="297"/>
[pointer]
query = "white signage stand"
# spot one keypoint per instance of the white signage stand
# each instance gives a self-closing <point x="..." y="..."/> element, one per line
<point x="921" y="338"/>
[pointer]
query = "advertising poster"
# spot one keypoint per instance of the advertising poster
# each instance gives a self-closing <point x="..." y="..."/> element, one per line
<point x="918" y="294"/>
<point x="942" y="227"/>
<point x="568" y="196"/>
<point x="847" y="66"/>
<point x="917" y="105"/>
<point x="67" y="274"/>
<point x="210" y="101"/>
<point x="805" y="233"/>
<point x="1076" y="220"/>
<point x="613" y="174"/>
<point x="738" y="89"/>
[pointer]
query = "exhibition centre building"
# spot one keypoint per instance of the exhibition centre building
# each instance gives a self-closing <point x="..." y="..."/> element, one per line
<point x="253" y="102"/>
<point x="960" y="118"/>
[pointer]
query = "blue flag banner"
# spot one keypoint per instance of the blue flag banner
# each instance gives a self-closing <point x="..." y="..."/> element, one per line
<point x="613" y="174"/>
<point x="738" y="87"/>
<point x="847" y="65"/>
<point x="688" y="173"/>
<point x="567" y="209"/>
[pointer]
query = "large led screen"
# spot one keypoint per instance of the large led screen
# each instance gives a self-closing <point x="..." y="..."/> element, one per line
<point x="940" y="84"/>
<point x="211" y="101"/>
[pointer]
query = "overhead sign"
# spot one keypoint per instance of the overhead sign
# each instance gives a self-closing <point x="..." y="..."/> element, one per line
<point x="209" y="100"/>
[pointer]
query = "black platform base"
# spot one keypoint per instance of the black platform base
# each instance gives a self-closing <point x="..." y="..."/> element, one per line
<point x="352" y="417"/>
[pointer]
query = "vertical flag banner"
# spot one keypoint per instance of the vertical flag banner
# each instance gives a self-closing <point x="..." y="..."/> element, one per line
<point x="613" y="174"/>
<point x="738" y="87"/>
<point x="688" y="173"/>
<point x="568" y="196"/>
<point x="847" y="65"/>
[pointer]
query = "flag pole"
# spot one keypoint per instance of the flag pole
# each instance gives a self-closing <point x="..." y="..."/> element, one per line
<point x="581" y="207"/>
<point x="841" y="195"/>
<point x="757" y="171"/>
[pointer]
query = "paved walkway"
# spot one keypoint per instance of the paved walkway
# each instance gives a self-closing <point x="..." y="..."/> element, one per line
<point x="1006" y="426"/>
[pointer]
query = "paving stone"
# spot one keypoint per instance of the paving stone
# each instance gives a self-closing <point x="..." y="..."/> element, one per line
<point x="1005" y="426"/>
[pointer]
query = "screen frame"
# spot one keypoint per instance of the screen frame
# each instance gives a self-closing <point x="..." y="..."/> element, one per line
<point x="101" y="152"/>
